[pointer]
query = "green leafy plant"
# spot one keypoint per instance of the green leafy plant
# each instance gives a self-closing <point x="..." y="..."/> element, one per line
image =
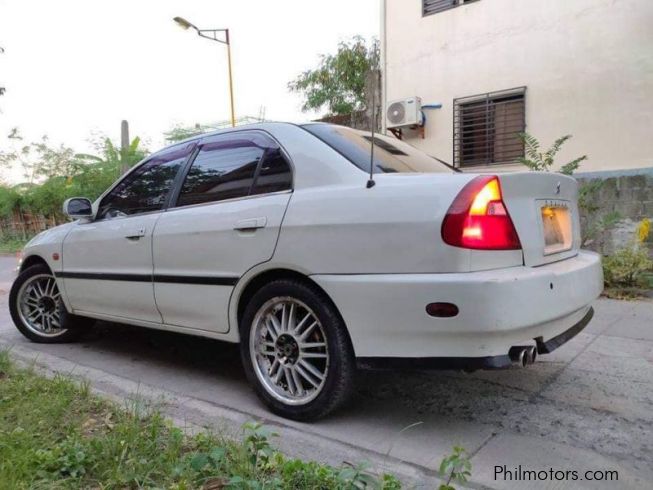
<point x="357" y="477"/>
<point x="257" y="443"/>
<point x="627" y="267"/>
<point x="455" y="467"/>
<point x="54" y="433"/>
<point x="53" y="174"/>
<point x="11" y="243"/>
<point x="542" y="161"/>
<point x="599" y="225"/>
<point x="338" y="82"/>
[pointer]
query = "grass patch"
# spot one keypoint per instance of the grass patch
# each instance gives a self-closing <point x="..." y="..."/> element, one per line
<point x="12" y="244"/>
<point x="55" y="434"/>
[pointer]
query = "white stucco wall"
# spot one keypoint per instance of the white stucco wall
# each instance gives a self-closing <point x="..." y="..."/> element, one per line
<point x="587" y="66"/>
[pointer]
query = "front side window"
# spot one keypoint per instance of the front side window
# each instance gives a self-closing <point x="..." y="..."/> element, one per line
<point x="487" y="128"/>
<point x="390" y="154"/>
<point x="226" y="168"/>
<point x="146" y="188"/>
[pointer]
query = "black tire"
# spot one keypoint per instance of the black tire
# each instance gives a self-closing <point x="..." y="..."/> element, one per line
<point x="340" y="373"/>
<point x="73" y="326"/>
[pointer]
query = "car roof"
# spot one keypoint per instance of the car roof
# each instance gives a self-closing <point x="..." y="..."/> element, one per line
<point x="250" y="126"/>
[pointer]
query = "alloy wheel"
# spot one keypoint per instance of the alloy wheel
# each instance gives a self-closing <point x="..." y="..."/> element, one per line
<point x="288" y="349"/>
<point x="38" y="305"/>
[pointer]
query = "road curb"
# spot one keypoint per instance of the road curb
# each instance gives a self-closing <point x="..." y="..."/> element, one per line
<point x="193" y="415"/>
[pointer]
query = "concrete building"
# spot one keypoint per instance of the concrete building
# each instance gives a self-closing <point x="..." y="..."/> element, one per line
<point x="580" y="67"/>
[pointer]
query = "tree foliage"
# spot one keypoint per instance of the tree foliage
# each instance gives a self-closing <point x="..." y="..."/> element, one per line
<point x="338" y="82"/>
<point x="55" y="173"/>
<point x="180" y="133"/>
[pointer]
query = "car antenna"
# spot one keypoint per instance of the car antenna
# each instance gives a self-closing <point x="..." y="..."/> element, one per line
<point x="370" y="182"/>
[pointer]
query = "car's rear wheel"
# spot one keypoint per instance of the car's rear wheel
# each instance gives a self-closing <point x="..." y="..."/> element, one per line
<point x="38" y="311"/>
<point x="296" y="350"/>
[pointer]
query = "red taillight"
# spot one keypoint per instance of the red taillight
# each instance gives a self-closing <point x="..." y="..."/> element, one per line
<point x="478" y="218"/>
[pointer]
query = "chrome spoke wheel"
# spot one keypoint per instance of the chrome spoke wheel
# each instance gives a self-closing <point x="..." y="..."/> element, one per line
<point x="38" y="305"/>
<point x="288" y="349"/>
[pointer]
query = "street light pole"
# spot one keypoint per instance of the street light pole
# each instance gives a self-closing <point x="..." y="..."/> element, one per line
<point x="231" y="80"/>
<point x="212" y="34"/>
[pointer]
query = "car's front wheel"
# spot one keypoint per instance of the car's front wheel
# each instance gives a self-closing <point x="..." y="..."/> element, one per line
<point x="38" y="311"/>
<point x="296" y="350"/>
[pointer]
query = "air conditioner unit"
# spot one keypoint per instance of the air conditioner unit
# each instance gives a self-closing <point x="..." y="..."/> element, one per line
<point x="404" y="112"/>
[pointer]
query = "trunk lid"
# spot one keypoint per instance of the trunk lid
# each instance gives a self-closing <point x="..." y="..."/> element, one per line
<point x="544" y="210"/>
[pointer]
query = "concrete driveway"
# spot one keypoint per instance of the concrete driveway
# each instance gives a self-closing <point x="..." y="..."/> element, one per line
<point x="587" y="406"/>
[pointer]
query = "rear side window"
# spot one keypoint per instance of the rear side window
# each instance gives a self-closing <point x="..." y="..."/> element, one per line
<point x="390" y="154"/>
<point x="145" y="189"/>
<point x="235" y="165"/>
<point x="274" y="175"/>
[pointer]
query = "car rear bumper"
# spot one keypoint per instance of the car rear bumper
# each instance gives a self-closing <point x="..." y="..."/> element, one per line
<point x="386" y="313"/>
<point x="471" y="363"/>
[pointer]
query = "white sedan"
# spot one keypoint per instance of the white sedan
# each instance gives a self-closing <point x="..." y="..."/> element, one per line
<point x="274" y="236"/>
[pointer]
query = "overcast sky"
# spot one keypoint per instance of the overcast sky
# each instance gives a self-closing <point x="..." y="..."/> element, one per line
<point x="76" y="67"/>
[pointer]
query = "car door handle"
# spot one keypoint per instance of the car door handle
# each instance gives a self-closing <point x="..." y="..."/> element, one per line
<point x="136" y="235"/>
<point x="250" y="224"/>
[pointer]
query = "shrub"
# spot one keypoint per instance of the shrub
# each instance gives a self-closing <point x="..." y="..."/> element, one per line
<point x="455" y="467"/>
<point x="626" y="268"/>
<point x="542" y="161"/>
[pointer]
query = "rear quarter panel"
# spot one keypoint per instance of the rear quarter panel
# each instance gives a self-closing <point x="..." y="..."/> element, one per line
<point x="394" y="227"/>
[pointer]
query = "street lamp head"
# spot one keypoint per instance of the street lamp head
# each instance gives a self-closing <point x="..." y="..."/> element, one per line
<point x="184" y="24"/>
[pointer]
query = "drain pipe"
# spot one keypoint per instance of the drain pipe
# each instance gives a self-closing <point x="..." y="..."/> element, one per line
<point x="383" y="65"/>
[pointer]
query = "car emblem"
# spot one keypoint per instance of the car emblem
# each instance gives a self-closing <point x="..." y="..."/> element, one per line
<point x="558" y="188"/>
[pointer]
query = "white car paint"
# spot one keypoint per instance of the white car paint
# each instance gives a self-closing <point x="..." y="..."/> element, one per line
<point x="218" y="250"/>
<point x="498" y="308"/>
<point x="377" y="252"/>
<point x="103" y="247"/>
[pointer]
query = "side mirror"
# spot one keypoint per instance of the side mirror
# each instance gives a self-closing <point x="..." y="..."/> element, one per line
<point x="78" y="207"/>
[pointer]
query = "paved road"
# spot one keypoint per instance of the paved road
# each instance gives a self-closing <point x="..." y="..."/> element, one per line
<point x="587" y="406"/>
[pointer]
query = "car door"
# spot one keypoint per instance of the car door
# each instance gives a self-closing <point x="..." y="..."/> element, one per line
<point x="225" y="220"/>
<point x="107" y="263"/>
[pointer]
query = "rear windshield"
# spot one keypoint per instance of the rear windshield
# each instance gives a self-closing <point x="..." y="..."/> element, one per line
<point x="390" y="154"/>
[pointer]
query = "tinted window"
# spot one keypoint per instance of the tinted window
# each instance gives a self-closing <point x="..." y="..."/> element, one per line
<point x="275" y="174"/>
<point x="226" y="166"/>
<point x="390" y="154"/>
<point x="146" y="188"/>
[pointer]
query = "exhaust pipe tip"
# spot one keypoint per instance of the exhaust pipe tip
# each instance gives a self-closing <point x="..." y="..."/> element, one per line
<point x="531" y="355"/>
<point x="523" y="355"/>
<point x="518" y="354"/>
<point x="523" y="358"/>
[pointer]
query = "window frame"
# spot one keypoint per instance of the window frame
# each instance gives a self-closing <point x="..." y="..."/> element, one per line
<point x="457" y="134"/>
<point x="181" y="176"/>
<point x="166" y="200"/>
<point x="454" y="4"/>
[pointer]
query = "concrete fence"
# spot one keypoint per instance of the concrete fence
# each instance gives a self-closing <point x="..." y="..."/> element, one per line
<point x="628" y="196"/>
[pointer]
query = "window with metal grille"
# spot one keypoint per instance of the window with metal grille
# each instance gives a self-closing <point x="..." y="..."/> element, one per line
<point x="486" y="128"/>
<point x="434" y="6"/>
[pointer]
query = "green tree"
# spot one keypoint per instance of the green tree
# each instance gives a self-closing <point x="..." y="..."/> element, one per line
<point x="55" y="173"/>
<point x="37" y="160"/>
<point x="338" y="82"/>
<point x="95" y="173"/>
<point x="180" y="133"/>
